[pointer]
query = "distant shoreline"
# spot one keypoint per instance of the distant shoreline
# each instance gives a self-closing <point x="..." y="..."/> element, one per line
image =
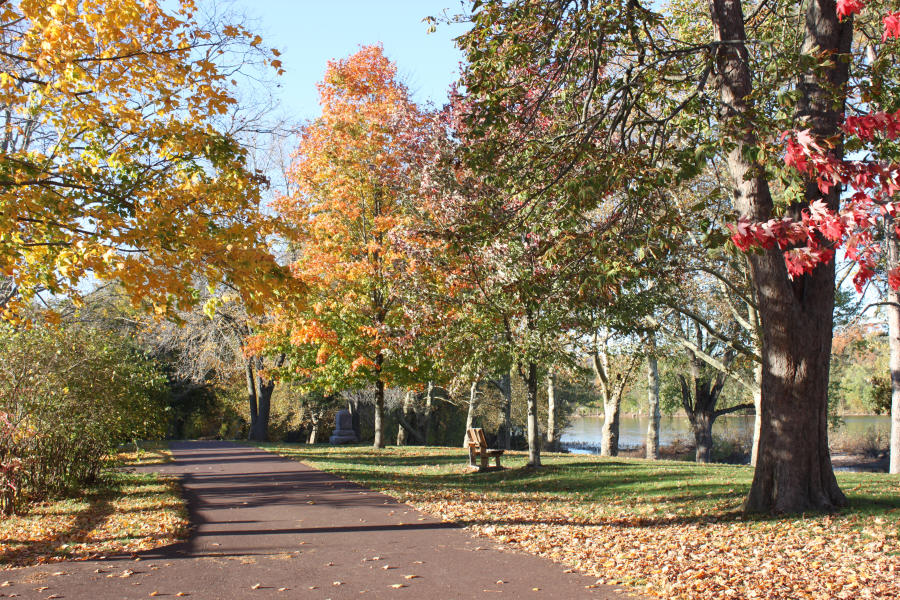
<point x="579" y="415"/>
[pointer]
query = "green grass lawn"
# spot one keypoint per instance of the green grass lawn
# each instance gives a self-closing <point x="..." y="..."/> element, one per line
<point x="670" y="528"/>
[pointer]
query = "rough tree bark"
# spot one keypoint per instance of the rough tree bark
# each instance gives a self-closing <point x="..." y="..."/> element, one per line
<point x="893" y="312"/>
<point x="534" y="426"/>
<point x="259" y="392"/>
<point x="793" y="471"/>
<point x="652" y="444"/>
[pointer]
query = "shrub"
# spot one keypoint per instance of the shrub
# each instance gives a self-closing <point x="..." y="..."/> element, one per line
<point x="68" y="399"/>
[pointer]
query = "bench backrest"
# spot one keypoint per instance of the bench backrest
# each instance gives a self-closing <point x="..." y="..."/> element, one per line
<point x="482" y="441"/>
<point x="475" y="436"/>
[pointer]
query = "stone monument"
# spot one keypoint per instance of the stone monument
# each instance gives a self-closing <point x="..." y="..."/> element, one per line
<point x="343" y="429"/>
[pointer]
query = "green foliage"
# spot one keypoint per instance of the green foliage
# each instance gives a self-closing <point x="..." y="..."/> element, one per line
<point x="860" y="382"/>
<point x="69" y="398"/>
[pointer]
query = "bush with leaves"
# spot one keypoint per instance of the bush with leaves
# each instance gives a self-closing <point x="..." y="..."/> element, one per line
<point x="69" y="398"/>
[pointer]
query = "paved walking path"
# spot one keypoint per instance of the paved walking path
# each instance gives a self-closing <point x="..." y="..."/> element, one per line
<point x="271" y="527"/>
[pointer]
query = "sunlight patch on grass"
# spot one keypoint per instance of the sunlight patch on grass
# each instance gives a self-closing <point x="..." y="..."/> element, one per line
<point x="123" y="513"/>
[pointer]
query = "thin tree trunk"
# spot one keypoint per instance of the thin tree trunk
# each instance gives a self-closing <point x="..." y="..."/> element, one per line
<point x="609" y="444"/>
<point x="506" y="384"/>
<point x="401" y="431"/>
<point x="757" y="412"/>
<point x="315" y="417"/>
<point x="534" y="426"/>
<point x="552" y="442"/>
<point x="470" y="414"/>
<point x="429" y="408"/>
<point x="893" y="312"/>
<point x="793" y="471"/>
<point x="353" y="407"/>
<point x="379" y="404"/>
<point x="652" y="444"/>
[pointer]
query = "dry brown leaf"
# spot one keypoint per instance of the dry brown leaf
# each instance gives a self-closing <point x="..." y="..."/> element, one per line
<point x="397" y="586"/>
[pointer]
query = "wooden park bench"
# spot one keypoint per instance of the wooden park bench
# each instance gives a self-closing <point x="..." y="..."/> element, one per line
<point x="477" y="445"/>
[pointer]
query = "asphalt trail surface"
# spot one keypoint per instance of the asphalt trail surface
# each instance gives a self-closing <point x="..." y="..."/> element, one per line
<point x="270" y="527"/>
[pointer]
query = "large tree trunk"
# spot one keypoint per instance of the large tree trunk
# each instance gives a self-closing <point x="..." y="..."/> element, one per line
<point x="552" y="442"/>
<point x="470" y="413"/>
<point x="534" y="426"/>
<point x="893" y="312"/>
<point x="652" y="444"/>
<point x="793" y="471"/>
<point x="609" y="445"/>
<point x="379" y="404"/>
<point x="701" y="425"/>
<point x="259" y="394"/>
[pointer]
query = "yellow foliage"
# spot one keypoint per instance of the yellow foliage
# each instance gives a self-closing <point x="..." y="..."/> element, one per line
<point x="113" y="165"/>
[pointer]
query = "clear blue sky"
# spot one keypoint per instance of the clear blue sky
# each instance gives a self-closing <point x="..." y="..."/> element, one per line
<point x="311" y="32"/>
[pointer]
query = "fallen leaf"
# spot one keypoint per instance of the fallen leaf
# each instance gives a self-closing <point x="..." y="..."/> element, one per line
<point x="397" y="586"/>
<point x="411" y="576"/>
<point x="255" y="586"/>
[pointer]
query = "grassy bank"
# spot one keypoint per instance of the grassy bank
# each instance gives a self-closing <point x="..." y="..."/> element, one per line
<point x="124" y="512"/>
<point x="669" y="528"/>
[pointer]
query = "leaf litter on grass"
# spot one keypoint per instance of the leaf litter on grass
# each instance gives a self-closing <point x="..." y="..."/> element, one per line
<point x="681" y="541"/>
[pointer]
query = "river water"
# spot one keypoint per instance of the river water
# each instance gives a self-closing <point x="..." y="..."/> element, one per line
<point x="633" y="430"/>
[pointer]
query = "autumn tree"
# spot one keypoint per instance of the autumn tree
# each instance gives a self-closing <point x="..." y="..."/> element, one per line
<point x="732" y="86"/>
<point x="354" y="174"/>
<point x="118" y="161"/>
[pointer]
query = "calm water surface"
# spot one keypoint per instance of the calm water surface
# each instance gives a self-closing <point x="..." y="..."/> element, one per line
<point x="633" y="430"/>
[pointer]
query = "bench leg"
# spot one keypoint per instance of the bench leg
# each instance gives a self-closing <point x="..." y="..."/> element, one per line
<point x="497" y="461"/>
<point x="484" y="461"/>
<point x="472" y="458"/>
